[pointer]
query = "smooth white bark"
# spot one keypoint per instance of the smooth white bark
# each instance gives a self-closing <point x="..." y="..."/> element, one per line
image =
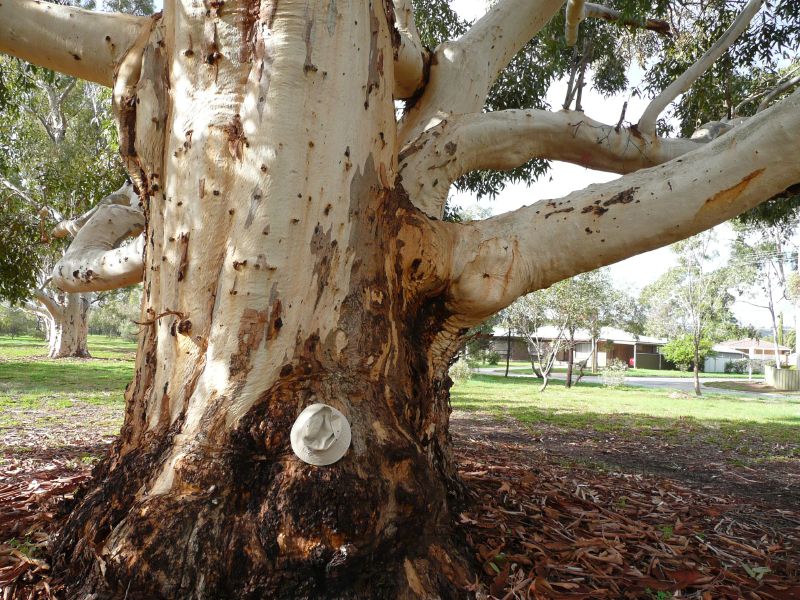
<point x="95" y="261"/>
<point x="647" y="123"/>
<point x="82" y="43"/>
<point x="575" y="14"/>
<point x="411" y="57"/>
<point x="507" y="139"/>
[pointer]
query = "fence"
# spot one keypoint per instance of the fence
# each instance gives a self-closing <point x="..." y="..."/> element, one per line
<point x="782" y="379"/>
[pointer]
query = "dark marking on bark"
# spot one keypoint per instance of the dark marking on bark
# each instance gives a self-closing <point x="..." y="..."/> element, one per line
<point x="588" y="230"/>
<point x="76" y="56"/>
<point x="598" y="211"/>
<point x="308" y="66"/>
<point x="202" y="187"/>
<point x="239" y="264"/>
<point x="560" y="210"/>
<point x="236" y="138"/>
<point x="184" y="327"/>
<point x="255" y="200"/>
<point x="450" y="148"/>
<point x="275" y="320"/>
<point x="183" y="266"/>
<point x="623" y="197"/>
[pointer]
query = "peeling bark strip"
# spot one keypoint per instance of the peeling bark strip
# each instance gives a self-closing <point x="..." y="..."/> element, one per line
<point x="722" y="200"/>
<point x="250" y="335"/>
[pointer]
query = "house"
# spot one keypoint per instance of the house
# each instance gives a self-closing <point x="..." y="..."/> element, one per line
<point x="638" y="351"/>
<point x="720" y="356"/>
<point x="756" y="349"/>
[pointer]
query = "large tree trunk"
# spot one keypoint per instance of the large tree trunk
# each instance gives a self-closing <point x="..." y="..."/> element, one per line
<point x="68" y="328"/>
<point x="275" y="254"/>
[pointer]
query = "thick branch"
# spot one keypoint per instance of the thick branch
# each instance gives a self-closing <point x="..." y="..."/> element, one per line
<point x="411" y="57"/>
<point x="575" y="13"/>
<point x="647" y="123"/>
<point x="777" y="91"/>
<point x="51" y="307"/>
<point x="507" y="139"/>
<point x="597" y="11"/>
<point x="497" y="260"/>
<point x="95" y="261"/>
<point x="124" y="196"/>
<point x="463" y="71"/>
<point x="70" y="40"/>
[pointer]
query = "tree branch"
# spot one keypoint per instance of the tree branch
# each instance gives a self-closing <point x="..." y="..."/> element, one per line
<point x="70" y="40"/>
<point x="124" y="196"/>
<point x="575" y="14"/>
<point x="647" y="123"/>
<point x="464" y="70"/>
<point x="95" y="261"/>
<point x="777" y="91"/>
<point x="495" y="261"/>
<point x="411" y="59"/>
<point x="509" y="138"/>
<point x="51" y="306"/>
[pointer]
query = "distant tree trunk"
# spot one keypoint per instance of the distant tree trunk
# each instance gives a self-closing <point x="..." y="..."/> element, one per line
<point x="570" y="359"/>
<point x="697" y="367"/>
<point x="508" y="351"/>
<point x="594" y="355"/>
<point x="66" y="317"/>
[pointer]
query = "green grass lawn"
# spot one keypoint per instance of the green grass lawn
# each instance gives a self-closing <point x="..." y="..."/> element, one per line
<point x="31" y="382"/>
<point x="100" y="346"/>
<point x="720" y="419"/>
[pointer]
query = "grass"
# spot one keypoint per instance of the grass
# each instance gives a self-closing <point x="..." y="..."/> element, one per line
<point x="627" y="410"/>
<point x="100" y="346"/>
<point x="31" y="382"/>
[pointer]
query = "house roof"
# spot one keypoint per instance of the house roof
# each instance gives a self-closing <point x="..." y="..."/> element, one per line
<point x="608" y="334"/>
<point x="727" y="350"/>
<point x="749" y="344"/>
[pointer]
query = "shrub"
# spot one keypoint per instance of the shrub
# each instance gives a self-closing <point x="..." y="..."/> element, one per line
<point x="613" y="375"/>
<point x="492" y="358"/>
<point x="737" y="366"/>
<point x="460" y="371"/>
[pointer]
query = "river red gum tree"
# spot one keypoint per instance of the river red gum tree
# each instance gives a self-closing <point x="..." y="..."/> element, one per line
<point x="292" y="253"/>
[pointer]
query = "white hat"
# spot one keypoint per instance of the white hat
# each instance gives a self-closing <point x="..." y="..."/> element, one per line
<point x="320" y="435"/>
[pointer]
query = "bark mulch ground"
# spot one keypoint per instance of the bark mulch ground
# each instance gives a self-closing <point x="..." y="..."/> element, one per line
<point x="537" y="526"/>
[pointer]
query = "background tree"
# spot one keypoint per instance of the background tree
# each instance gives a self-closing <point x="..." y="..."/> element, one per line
<point x="528" y="316"/>
<point x="294" y="253"/>
<point x="57" y="153"/>
<point x="684" y="352"/>
<point x="762" y="255"/>
<point x="692" y="301"/>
